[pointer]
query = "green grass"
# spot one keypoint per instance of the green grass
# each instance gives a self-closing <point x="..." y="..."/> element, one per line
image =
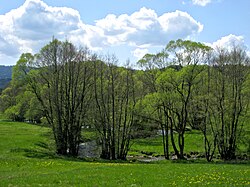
<point x="193" y="142"/>
<point x="27" y="159"/>
<point x="89" y="135"/>
<point x="22" y="139"/>
<point x="2" y="117"/>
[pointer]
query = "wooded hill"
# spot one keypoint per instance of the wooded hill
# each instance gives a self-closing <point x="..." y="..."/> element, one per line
<point x="5" y="75"/>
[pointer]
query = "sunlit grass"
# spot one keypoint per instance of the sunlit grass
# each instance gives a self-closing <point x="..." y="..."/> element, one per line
<point x="27" y="159"/>
<point x="193" y="143"/>
<point x="89" y="134"/>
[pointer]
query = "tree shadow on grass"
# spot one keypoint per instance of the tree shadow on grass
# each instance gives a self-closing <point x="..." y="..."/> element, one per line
<point x="44" y="150"/>
<point x="41" y="150"/>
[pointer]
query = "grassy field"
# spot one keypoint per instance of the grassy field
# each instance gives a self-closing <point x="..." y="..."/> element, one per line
<point x="27" y="159"/>
<point x="193" y="142"/>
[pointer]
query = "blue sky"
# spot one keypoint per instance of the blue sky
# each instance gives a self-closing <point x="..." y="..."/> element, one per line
<point x="129" y="29"/>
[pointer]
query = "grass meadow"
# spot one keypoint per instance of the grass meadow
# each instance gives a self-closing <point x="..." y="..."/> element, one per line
<point x="153" y="145"/>
<point x="27" y="159"/>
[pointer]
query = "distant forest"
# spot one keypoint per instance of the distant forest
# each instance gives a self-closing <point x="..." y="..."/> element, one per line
<point x="5" y="75"/>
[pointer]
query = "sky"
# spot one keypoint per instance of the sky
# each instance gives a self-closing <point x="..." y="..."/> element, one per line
<point x="129" y="29"/>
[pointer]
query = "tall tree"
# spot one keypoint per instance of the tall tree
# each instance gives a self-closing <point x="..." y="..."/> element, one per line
<point x="115" y="101"/>
<point x="151" y="107"/>
<point x="202" y="112"/>
<point x="177" y="87"/>
<point x="61" y="82"/>
<point x="13" y="100"/>
<point x="230" y="73"/>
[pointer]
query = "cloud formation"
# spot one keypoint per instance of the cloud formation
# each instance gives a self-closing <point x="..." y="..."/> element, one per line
<point x="201" y="2"/>
<point x="229" y="41"/>
<point x="139" y="53"/>
<point x="32" y="25"/>
<point x="145" y="27"/>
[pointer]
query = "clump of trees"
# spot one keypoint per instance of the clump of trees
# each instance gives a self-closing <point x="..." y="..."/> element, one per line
<point x="187" y="85"/>
<point x="229" y="89"/>
<point x="115" y="99"/>
<point x="204" y="89"/>
<point x="61" y="83"/>
<point x="72" y="88"/>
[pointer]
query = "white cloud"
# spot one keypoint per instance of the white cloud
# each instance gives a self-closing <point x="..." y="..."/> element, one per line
<point x="248" y="53"/>
<point x="39" y="21"/>
<point x="8" y="46"/>
<point x="180" y="24"/>
<point x="145" y="27"/>
<point x="139" y="53"/>
<point x="201" y="2"/>
<point x="228" y="42"/>
<point x="32" y="25"/>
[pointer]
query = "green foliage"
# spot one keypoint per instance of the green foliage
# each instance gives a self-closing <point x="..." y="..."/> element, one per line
<point x="230" y="97"/>
<point x="61" y="83"/>
<point x="186" y="85"/>
<point x="115" y="98"/>
<point x="22" y="68"/>
<point x="154" y="61"/>
<point x="18" y="104"/>
<point x="8" y="102"/>
<point x="186" y="52"/>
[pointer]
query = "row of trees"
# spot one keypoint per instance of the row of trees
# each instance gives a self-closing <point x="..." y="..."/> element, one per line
<point x="187" y="85"/>
<point x="72" y="88"/>
<point x="205" y="89"/>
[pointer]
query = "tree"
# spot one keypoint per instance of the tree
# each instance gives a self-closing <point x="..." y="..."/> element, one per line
<point x="21" y="69"/>
<point x="114" y="103"/>
<point x="152" y="64"/>
<point x="151" y="107"/>
<point x="62" y="84"/>
<point x="202" y="112"/>
<point x="177" y="87"/>
<point x="33" y="109"/>
<point x="8" y="104"/>
<point x="230" y="73"/>
<point x="13" y="98"/>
